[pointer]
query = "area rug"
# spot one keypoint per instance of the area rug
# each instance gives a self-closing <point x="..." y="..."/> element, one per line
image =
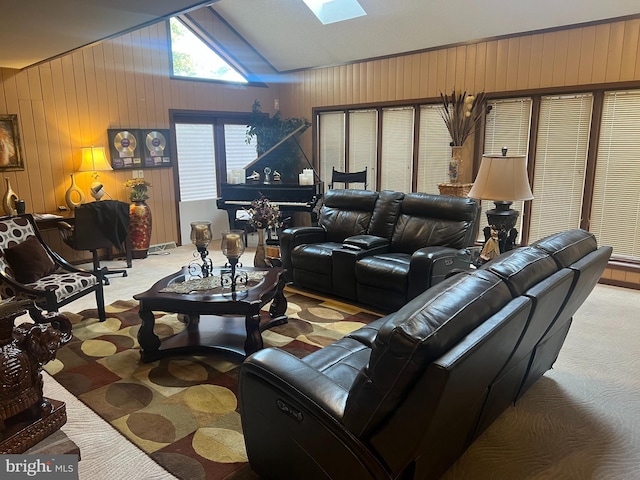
<point x="183" y="410"/>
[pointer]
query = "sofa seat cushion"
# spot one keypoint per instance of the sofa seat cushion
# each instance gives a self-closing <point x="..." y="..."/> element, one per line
<point x="388" y="271"/>
<point x="314" y="257"/>
<point x="341" y="361"/>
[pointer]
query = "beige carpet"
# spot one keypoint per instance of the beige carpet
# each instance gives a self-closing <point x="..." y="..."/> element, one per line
<point x="580" y="421"/>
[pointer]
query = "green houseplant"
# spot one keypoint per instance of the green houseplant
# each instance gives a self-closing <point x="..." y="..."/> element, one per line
<point x="268" y="131"/>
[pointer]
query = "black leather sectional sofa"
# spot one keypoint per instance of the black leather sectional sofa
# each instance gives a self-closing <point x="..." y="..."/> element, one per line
<point x="380" y="248"/>
<point x="403" y="397"/>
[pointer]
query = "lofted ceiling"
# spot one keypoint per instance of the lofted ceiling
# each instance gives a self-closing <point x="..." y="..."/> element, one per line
<point x="286" y="33"/>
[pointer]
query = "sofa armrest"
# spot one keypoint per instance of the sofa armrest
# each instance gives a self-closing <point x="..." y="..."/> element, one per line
<point x="365" y="242"/>
<point x="291" y="238"/>
<point x="288" y="373"/>
<point x="291" y="419"/>
<point x="430" y="265"/>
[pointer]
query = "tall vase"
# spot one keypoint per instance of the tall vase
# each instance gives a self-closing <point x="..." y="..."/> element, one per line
<point x="259" y="259"/>
<point x="9" y="198"/>
<point x="139" y="228"/>
<point x="72" y="194"/>
<point x="456" y="166"/>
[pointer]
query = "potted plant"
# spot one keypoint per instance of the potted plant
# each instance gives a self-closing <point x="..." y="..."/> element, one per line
<point x="268" y="131"/>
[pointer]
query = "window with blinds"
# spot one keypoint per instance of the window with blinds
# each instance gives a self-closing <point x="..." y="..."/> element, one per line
<point x="238" y="153"/>
<point x="397" y="149"/>
<point x="615" y="213"/>
<point x="561" y="159"/>
<point x="196" y="161"/>
<point x="507" y="125"/>
<point x="331" y="126"/>
<point x="434" y="150"/>
<point x="363" y="143"/>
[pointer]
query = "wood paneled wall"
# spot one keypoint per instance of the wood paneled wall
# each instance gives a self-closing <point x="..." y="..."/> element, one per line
<point x="597" y="54"/>
<point x="71" y="101"/>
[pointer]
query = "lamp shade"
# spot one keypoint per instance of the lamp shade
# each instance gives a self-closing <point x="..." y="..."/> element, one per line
<point x="502" y="178"/>
<point x="94" y="159"/>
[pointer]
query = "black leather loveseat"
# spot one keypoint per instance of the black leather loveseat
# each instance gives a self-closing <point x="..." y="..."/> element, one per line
<point x="404" y="396"/>
<point x="380" y="248"/>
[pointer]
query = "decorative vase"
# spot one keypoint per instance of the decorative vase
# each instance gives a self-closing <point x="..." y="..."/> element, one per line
<point x="72" y="192"/>
<point x="139" y="228"/>
<point x="9" y="199"/>
<point x="259" y="259"/>
<point x="455" y="164"/>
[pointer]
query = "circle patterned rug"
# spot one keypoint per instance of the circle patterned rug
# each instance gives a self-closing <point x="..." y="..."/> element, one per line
<point x="182" y="410"/>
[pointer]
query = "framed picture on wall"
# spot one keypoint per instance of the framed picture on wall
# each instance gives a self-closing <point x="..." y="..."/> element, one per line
<point x="125" y="148"/>
<point x="10" y="148"/>
<point x="156" y="148"/>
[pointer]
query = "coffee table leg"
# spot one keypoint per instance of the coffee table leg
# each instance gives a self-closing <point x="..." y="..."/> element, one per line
<point x="148" y="340"/>
<point x="253" y="343"/>
<point x="279" y="304"/>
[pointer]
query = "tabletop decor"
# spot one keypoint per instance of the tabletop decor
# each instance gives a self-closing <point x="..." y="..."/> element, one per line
<point x="232" y="246"/>
<point x="140" y="221"/>
<point x="461" y="114"/>
<point x="263" y="214"/>
<point x="201" y="236"/>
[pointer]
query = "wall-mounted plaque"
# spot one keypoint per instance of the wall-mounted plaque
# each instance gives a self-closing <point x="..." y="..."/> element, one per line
<point x="124" y="145"/>
<point x="157" y="151"/>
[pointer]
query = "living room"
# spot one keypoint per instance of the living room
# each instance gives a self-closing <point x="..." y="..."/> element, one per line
<point x="71" y="100"/>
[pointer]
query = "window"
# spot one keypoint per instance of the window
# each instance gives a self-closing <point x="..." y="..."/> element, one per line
<point x="192" y="57"/>
<point x="196" y="161"/>
<point x="508" y="125"/>
<point x="363" y="139"/>
<point x="332" y="135"/>
<point x="434" y="150"/>
<point x="560" y="164"/>
<point x="397" y="149"/>
<point x="615" y="215"/>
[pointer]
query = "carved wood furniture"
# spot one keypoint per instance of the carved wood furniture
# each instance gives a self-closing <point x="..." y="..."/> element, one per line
<point x="26" y="416"/>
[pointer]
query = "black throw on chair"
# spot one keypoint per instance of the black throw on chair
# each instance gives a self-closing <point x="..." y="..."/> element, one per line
<point x="348" y="178"/>
<point x="97" y="225"/>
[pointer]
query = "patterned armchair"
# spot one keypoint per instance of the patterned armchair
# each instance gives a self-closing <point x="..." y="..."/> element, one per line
<point x="29" y="269"/>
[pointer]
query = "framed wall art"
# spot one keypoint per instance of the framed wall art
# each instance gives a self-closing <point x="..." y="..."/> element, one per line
<point x="139" y="148"/>
<point x="10" y="148"/>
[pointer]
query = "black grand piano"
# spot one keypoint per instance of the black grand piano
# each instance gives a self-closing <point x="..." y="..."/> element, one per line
<point x="290" y="197"/>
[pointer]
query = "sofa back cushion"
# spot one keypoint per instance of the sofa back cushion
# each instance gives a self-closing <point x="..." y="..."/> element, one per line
<point x="345" y="213"/>
<point x="414" y="336"/>
<point x="385" y="214"/>
<point x="429" y="220"/>
<point x="567" y="247"/>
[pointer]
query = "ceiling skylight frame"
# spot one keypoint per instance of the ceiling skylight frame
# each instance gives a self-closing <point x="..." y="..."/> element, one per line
<point x="332" y="11"/>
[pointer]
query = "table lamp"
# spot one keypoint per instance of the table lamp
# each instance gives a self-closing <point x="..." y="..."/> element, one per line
<point x="503" y="179"/>
<point x="94" y="160"/>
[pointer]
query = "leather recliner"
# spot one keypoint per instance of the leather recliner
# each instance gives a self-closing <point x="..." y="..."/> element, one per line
<point x="381" y="249"/>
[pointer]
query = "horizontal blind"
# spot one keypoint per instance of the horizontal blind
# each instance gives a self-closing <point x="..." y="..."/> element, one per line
<point x="397" y="149"/>
<point x="615" y="214"/>
<point x="238" y="153"/>
<point x="363" y="143"/>
<point x="507" y="125"/>
<point x="561" y="157"/>
<point x="196" y="161"/>
<point x="332" y="142"/>
<point x="434" y="150"/>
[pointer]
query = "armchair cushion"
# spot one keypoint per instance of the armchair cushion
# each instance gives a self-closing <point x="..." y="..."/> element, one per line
<point x="28" y="261"/>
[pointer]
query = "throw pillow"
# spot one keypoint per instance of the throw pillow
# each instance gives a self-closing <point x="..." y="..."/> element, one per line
<point x="29" y="261"/>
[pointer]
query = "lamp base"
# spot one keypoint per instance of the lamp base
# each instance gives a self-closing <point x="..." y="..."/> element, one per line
<point x="503" y="219"/>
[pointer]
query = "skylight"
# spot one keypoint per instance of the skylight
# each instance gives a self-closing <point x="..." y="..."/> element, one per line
<point x="332" y="11"/>
<point x="193" y="58"/>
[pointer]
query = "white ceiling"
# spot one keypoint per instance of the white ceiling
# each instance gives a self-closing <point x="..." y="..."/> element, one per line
<point x="286" y="33"/>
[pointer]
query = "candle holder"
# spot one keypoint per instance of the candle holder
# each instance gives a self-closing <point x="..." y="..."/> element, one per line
<point x="232" y="246"/>
<point x="201" y="237"/>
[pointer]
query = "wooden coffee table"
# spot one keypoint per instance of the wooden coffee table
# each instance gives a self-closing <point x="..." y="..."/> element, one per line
<point x="216" y="318"/>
